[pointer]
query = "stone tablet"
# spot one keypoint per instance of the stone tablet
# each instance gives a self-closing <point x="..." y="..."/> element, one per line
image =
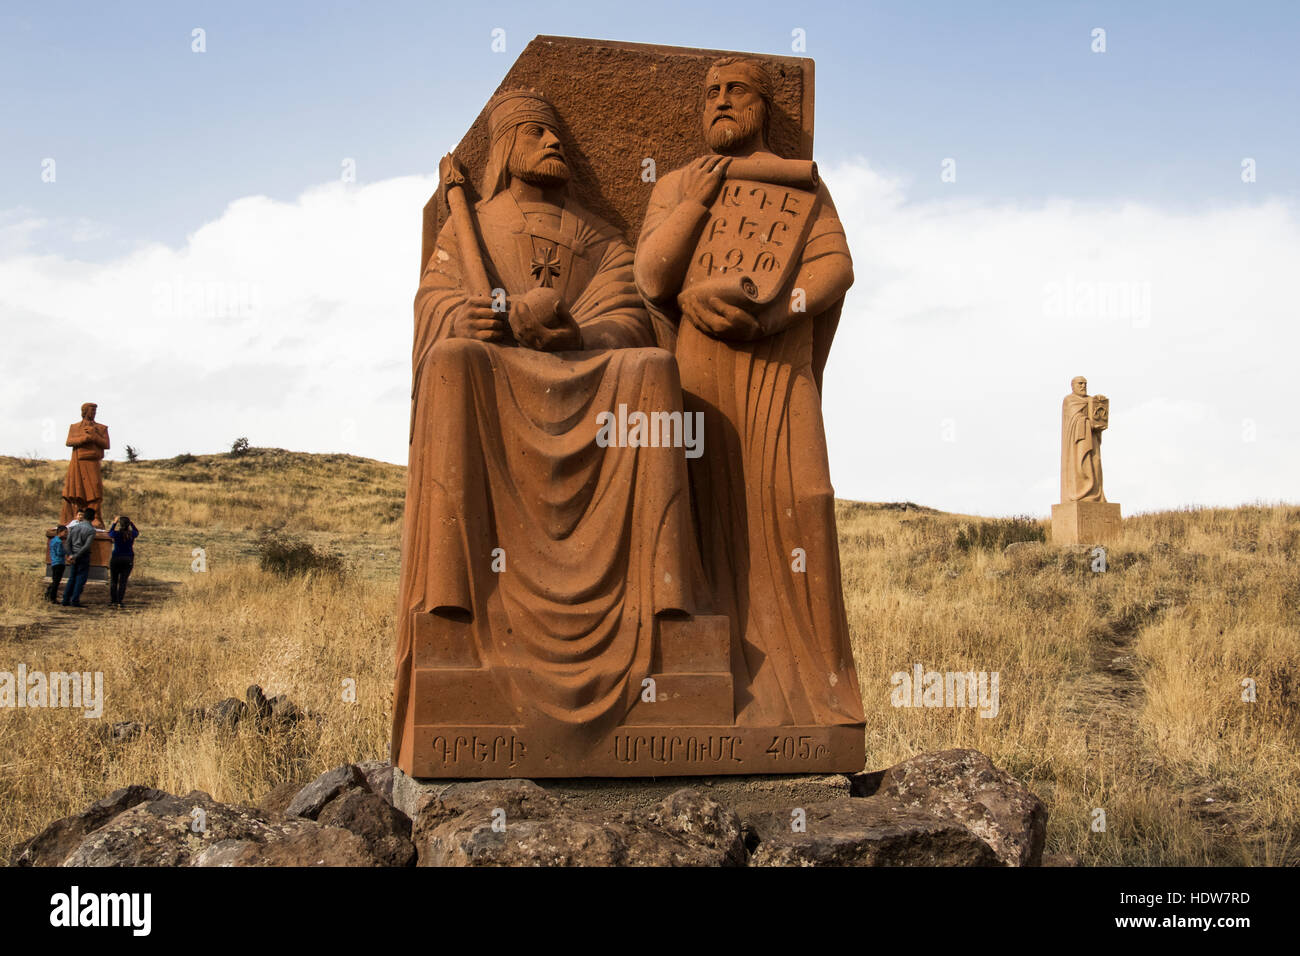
<point x="556" y="618"/>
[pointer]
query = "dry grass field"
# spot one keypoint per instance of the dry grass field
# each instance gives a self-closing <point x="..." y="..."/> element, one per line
<point x="1118" y="691"/>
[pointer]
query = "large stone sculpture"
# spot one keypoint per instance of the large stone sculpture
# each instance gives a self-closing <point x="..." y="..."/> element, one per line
<point x="743" y="250"/>
<point x="1083" y="516"/>
<point x="84" y="485"/>
<point x="555" y="618"/>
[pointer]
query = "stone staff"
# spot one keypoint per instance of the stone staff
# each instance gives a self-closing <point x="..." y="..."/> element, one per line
<point x="475" y="274"/>
<point x="452" y="183"/>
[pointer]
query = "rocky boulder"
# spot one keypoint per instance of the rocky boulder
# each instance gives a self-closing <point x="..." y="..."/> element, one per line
<point x="194" y="830"/>
<point x="517" y="823"/>
<point x="385" y="830"/>
<point x="965" y="787"/>
<point x="56" y="842"/>
<point x="950" y="808"/>
<point x="308" y="846"/>
<point x="311" y="799"/>
<point x="357" y="798"/>
<point x="865" y="832"/>
<point x="266" y="715"/>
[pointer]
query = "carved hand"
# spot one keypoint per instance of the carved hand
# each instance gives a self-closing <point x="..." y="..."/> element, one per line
<point x="715" y="316"/>
<point x="540" y="320"/>
<point x="702" y="178"/>
<point x="475" y="319"/>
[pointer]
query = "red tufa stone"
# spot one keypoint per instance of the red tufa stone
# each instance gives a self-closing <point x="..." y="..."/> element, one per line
<point x="575" y="607"/>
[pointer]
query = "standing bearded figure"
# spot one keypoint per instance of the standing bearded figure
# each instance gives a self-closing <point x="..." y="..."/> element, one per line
<point x="1083" y="418"/>
<point x="84" y="486"/>
<point x="742" y="251"/>
<point x="543" y="552"/>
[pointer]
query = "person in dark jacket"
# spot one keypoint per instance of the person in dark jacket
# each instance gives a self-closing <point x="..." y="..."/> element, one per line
<point x="80" y="535"/>
<point x="123" y="533"/>
<point x="56" y="562"/>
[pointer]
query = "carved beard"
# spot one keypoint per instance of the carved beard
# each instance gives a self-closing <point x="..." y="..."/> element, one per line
<point x="728" y="136"/>
<point x="546" y="173"/>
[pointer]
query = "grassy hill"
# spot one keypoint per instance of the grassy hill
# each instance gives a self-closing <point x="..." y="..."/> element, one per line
<point x="1119" y="691"/>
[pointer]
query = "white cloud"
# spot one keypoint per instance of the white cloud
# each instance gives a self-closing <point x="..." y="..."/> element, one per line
<point x="286" y="322"/>
<point x="969" y="319"/>
<point x="291" y="323"/>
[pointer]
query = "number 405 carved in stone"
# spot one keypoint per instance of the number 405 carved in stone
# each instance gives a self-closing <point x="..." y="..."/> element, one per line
<point x="791" y="747"/>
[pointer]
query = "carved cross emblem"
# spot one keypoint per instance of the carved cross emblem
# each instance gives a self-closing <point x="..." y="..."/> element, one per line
<point x="546" y="266"/>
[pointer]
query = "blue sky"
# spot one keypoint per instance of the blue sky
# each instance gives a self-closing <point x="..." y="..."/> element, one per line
<point x="152" y="140"/>
<point x="1115" y="173"/>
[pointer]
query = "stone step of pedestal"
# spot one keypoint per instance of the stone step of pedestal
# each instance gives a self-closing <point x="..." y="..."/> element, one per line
<point x="693" y="645"/>
<point x="686" y="699"/>
<point x="458" y="695"/>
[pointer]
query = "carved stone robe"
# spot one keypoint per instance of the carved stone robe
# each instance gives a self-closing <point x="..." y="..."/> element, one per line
<point x="84" y="484"/>
<point x="1080" y="452"/>
<point x="593" y="541"/>
<point x="761" y="490"/>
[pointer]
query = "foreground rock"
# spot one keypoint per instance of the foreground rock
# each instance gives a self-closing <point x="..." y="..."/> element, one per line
<point x="385" y="831"/>
<point x="517" y="823"/>
<point x="338" y="821"/>
<point x="196" y="830"/>
<point x="740" y="792"/>
<point x="965" y="787"/>
<point x="311" y="799"/>
<point x="951" y="808"/>
<point x="56" y="842"/>
<point x="863" y="833"/>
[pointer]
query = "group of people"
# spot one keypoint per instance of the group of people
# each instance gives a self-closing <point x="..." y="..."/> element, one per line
<point x="70" y="550"/>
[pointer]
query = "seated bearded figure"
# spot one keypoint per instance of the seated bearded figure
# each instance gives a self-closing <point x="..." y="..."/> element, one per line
<point x="535" y="556"/>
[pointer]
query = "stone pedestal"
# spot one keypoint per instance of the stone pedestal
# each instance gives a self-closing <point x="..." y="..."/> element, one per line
<point x="101" y="549"/>
<point x="461" y="726"/>
<point x="1085" y="522"/>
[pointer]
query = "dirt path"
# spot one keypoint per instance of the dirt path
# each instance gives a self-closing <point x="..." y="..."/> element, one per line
<point x="1110" y="696"/>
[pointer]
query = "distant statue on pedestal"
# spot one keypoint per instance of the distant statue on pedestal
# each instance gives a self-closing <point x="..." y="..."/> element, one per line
<point x="84" y="486"/>
<point x="1084" y="516"/>
<point x="1083" y="418"/>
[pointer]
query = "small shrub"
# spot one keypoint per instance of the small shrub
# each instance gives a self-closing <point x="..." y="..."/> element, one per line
<point x="132" y="454"/>
<point x="183" y="459"/>
<point x="996" y="533"/>
<point x="239" y="448"/>
<point x="287" y="557"/>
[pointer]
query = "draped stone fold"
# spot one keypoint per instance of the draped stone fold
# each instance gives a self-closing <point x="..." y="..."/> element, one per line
<point x="558" y="550"/>
<point x="1081" y="478"/>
